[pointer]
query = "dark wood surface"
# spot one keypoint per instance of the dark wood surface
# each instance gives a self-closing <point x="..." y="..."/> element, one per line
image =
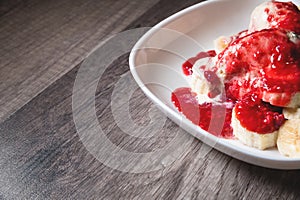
<point x="42" y="157"/>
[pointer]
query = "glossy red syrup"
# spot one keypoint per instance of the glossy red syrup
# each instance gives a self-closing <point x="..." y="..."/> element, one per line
<point x="272" y="60"/>
<point x="213" y="79"/>
<point x="215" y="119"/>
<point x="258" y="116"/>
<point x="188" y="65"/>
<point x="291" y="19"/>
<point x="256" y="65"/>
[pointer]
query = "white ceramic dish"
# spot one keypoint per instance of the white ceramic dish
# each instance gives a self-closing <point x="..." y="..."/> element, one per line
<point x="155" y="63"/>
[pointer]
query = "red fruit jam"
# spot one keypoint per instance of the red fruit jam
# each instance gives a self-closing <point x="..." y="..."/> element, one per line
<point x="266" y="61"/>
<point x="258" y="116"/>
<point x="291" y="19"/>
<point x="215" y="119"/>
<point x="257" y="66"/>
<point x="188" y="65"/>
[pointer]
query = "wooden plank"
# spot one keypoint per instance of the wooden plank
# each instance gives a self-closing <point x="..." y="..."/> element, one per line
<point x="43" y="157"/>
<point x="42" y="40"/>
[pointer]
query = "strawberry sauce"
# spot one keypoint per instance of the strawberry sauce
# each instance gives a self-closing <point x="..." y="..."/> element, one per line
<point x="260" y="73"/>
<point x="258" y="116"/>
<point x="215" y="119"/>
<point x="262" y="62"/>
<point x="188" y="65"/>
<point x="291" y="19"/>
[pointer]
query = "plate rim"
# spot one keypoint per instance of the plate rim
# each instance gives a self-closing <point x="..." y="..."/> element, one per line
<point x="222" y="145"/>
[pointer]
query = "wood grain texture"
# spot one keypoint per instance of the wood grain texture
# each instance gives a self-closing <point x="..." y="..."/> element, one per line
<point x="51" y="37"/>
<point x="42" y="156"/>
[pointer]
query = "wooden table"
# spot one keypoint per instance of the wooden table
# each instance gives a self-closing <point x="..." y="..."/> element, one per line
<point x="42" y="155"/>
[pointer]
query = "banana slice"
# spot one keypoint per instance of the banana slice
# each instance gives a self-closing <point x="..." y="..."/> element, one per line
<point x="279" y="99"/>
<point x="252" y="139"/>
<point x="291" y="113"/>
<point x="221" y="43"/>
<point x="288" y="142"/>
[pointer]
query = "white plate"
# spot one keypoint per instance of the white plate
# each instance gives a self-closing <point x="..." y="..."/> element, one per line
<point x="155" y="63"/>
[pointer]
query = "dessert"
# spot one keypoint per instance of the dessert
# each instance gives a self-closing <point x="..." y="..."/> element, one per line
<point x="291" y="113"/>
<point x="253" y="78"/>
<point x="288" y="141"/>
<point x="275" y="15"/>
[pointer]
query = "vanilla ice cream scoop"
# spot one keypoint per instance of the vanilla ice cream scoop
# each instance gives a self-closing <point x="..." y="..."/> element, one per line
<point x="275" y="14"/>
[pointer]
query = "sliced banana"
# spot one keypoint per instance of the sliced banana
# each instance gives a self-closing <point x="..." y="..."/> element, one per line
<point x="221" y="43"/>
<point x="291" y="113"/>
<point x="288" y="142"/>
<point x="277" y="99"/>
<point x="252" y="139"/>
<point x="295" y="101"/>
